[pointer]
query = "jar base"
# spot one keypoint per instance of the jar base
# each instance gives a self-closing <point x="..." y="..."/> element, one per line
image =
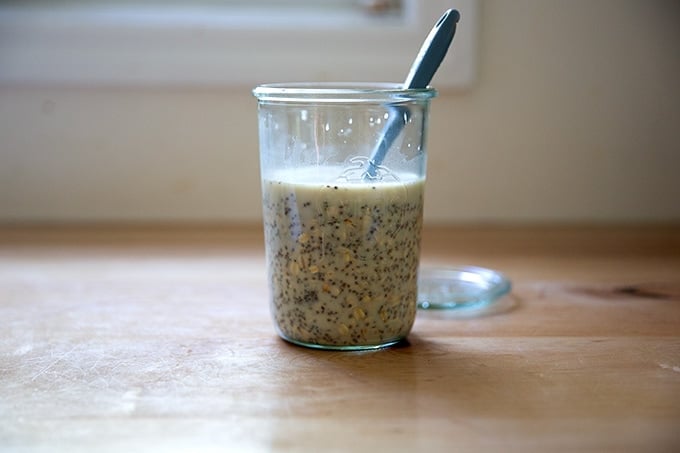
<point x="351" y="347"/>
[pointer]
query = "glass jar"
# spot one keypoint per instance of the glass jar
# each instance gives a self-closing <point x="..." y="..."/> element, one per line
<point x="343" y="171"/>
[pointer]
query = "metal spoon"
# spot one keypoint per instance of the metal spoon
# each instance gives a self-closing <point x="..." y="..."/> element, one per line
<point x="430" y="56"/>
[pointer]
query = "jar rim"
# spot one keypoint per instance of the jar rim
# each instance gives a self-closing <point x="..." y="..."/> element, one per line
<point x="341" y="92"/>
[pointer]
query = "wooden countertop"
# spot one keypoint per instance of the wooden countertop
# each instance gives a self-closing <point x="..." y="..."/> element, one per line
<point x="138" y="339"/>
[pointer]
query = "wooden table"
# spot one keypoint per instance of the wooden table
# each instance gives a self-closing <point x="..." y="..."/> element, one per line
<point x="159" y="339"/>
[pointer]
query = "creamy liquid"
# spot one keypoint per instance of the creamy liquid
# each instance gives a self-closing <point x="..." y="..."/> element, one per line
<point x="342" y="257"/>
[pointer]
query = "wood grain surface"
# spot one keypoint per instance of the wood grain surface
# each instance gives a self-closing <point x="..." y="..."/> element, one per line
<point x="159" y="339"/>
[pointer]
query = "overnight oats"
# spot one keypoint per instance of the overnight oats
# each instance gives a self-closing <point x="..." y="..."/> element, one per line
<point x="343" y="169"/>
<point x="342" y="257"/>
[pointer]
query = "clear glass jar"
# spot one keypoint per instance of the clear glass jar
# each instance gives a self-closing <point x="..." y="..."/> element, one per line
<point x="343" y="171"/>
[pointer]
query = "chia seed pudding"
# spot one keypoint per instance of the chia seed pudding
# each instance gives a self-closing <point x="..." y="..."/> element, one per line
<point x="342" y="257"/>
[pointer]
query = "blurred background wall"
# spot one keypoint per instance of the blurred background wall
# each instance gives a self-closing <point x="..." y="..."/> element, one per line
<point x="574" y="117"/>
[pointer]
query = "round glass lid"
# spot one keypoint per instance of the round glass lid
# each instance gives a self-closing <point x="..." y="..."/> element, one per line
<point x="460" y="288"/>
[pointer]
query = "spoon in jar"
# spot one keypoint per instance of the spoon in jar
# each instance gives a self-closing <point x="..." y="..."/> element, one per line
<point x="430" y="56"/>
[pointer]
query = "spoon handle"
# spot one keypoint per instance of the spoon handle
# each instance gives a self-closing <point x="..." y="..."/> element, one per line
<point x="432" y="51"/>
<point x="422" y="70"/>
